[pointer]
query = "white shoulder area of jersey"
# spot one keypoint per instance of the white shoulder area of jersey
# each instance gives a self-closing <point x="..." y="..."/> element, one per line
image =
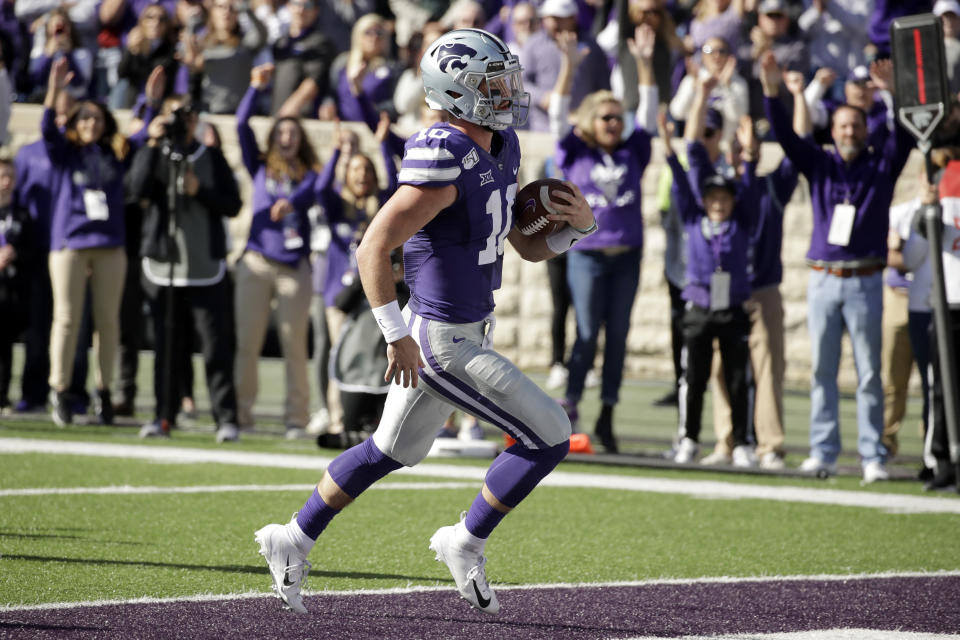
<point x="433" y="155"/>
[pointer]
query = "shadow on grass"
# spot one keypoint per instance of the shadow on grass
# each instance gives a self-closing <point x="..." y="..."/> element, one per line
<point x="230" y="568"/>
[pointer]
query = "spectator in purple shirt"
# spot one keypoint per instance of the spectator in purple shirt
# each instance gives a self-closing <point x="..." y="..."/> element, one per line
<point x="275" y="265"/>
<point x="349" y="208"/>
<point x="851" y="188"/>
<point x="61" y="41"/>
<point x="34" y="192"/>
<point x="366" y="68"/>
<point x="860" y="90"/>
<point x="718" y="285"/>
<point x="603" y="271"/>
<point x="86" y="237"/>
<point x="765" y="307"/>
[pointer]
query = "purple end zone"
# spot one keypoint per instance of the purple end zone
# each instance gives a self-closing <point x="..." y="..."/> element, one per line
<point x="928" y="604"/>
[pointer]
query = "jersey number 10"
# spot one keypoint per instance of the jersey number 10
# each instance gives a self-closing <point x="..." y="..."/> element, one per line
<point x="501" y="223"/>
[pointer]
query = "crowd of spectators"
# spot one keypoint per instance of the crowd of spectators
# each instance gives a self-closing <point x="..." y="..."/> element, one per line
<point x="606" y="64"/>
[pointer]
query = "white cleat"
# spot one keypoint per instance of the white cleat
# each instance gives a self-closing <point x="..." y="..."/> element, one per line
<point x="288" y="566"/>
<point x="466" y="567"/>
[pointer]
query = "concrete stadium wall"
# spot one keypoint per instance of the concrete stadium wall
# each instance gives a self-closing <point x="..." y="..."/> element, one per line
<point x="523" y="302"/>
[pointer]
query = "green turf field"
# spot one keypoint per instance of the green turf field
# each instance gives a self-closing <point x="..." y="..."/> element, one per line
<point x="66" y="547"/>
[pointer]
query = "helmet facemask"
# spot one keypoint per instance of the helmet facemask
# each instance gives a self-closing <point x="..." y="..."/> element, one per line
<point x="472" y="75"/>
<point x="501" y="101"/>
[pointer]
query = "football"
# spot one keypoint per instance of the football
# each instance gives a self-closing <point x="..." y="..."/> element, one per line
<point x="534" y="203"/>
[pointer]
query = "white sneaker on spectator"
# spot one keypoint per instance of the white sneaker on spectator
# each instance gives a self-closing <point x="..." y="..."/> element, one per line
<point x="592" y="380"/>
<point x="686" y="451"/>
<point x="717" y="457"/>
<point x="227" y="432"/>
<point x="557" y="376"/>
<point x="819" y="467"/>
<point x="874" y="472"/>
<point x="771" y="460"/>
<point x="744" y="457"/>
<point x="319" y="422"/>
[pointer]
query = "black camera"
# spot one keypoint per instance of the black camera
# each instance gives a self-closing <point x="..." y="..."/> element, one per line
<point x="176" y="128"/>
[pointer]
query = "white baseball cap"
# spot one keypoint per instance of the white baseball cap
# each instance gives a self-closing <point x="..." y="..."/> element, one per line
<point x="559" y="9"/>
<point x="946" y="6"/>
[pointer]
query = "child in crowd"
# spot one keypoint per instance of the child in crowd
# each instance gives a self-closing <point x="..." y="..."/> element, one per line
<point x="718" y="236"/>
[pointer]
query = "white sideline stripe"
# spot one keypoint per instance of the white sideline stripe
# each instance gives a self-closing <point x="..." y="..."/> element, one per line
<point x="711" y="489"/>
<point x="211" y="597"/>
<point x="220" y="488"/>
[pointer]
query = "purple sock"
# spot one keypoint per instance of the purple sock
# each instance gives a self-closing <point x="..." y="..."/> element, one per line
<point x="315" y="515"/>
<point x="482" y="518"/>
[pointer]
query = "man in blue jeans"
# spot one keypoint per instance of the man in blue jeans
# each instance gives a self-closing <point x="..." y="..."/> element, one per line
<point x="850" y="189"/>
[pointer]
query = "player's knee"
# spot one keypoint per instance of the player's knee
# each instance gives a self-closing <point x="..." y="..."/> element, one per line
<point x="557" y="453"/>
<point x="357" y="468"/>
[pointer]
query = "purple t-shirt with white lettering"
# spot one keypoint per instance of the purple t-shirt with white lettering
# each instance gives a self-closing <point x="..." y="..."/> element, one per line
<point x="611" y="184"/>
<point x="453" y="265"/>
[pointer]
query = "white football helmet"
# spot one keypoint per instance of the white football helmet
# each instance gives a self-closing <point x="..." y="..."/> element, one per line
<point x="472" y="75"/>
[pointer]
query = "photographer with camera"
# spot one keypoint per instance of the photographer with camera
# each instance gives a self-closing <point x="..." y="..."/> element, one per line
<point x="186" y="190"/>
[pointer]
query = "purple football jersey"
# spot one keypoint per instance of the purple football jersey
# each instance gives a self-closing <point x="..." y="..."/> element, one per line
<point x="453" y="264"/>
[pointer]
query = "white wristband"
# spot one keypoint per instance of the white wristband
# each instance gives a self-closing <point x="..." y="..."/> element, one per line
<point x="391" y="322"/>
<point x="560" y="241"/>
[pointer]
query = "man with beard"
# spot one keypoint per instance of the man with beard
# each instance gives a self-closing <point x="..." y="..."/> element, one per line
<point x="850" y="189"/>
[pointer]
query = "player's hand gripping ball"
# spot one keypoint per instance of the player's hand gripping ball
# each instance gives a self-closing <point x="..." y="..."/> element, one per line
<point x="534" y="204"/>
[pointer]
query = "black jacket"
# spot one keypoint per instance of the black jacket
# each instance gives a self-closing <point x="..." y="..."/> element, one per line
<point x="218" y="194"/>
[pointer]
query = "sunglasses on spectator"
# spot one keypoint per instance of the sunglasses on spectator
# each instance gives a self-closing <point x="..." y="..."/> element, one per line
<point x="709" y="133"/>
<point x="611" y="117"/>
<point x="720" y="51"/>
<point x="379" y="33"/>
<point x="775" y="15"/>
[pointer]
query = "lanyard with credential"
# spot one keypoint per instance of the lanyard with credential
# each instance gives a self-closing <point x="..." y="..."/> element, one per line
<point x="719" y="279"/>
<point x="844" y="214"/>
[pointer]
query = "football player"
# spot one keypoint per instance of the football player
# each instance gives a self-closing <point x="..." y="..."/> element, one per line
<point x="452" y="213"/>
